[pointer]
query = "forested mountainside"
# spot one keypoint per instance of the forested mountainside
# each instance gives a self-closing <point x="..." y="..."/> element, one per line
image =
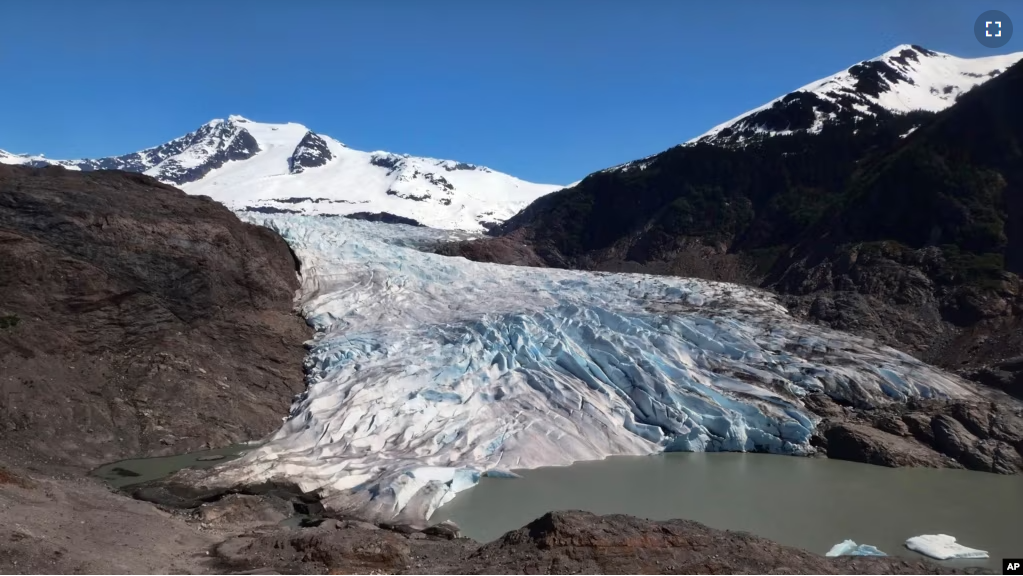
<point x="902" y="226"/>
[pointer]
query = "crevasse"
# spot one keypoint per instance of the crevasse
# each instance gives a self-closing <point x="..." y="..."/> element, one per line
<point x="427" y="371"/>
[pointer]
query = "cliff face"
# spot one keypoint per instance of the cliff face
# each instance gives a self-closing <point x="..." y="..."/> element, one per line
<point x="137" y="320"/>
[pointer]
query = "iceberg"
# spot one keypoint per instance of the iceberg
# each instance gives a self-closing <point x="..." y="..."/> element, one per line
<point x="427" y="372"/>
<point x="850" y="548"/>
<point x="942" y="547"/>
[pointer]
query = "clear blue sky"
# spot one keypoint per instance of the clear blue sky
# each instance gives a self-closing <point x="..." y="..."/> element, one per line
<point x="545" y="90"/>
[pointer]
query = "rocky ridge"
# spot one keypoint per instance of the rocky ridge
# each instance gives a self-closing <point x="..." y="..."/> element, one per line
<point x="137" y="320"/>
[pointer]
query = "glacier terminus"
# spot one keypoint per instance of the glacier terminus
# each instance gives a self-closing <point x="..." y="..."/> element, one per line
<point x="427" y="372"/>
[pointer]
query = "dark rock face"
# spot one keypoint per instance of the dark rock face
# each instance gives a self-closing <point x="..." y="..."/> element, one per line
<point x="504" y="250"/>
<point x="436" y="180"/>
<point x="312" y="151"/>
<point x="986" y="437"/>
<point x="407" y="196"/>
<point x="302" y="199"/>
<point x="569" y="542"/>
<point x="384" y="217"/>
<point x="223" y="142"/>
<point x="860" y="443"/>
<point x="796" y="111"/>
<point x="389" y="161"/>
<point x="242" y="146"/>
<point x="1006" y="376"/>
<point x="270" y="210"/>
<point x="876" y="77"/>
<point x="151" y="322"/>
<point x="803" y="111"/>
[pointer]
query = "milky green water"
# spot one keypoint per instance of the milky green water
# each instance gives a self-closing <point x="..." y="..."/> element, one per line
<point x="138" y="470"/>
<point x="805" y="502"/>
<point x="810" y="503"/>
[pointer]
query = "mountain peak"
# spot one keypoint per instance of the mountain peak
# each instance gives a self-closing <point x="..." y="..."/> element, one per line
<point x="904" y="79"/>
<point x="903" y="47"/>
<point x="288" y="168"/>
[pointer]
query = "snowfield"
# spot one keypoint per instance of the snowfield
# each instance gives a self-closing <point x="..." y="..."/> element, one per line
<point x="286" y="168"/>
<point x="905" y="79"/>
<point x="427" y="372"/>
<point x="909" y="78"/>
<point x="437" y="193"/>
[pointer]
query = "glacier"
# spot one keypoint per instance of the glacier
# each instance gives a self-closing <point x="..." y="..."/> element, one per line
<point x="427" y="372"/>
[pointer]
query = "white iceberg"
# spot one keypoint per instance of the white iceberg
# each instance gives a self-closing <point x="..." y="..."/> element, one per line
<point x="942" y="547"/>
<point x="850" y="548"/>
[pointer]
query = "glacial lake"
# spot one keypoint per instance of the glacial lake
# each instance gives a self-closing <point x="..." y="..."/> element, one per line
<point x="137" y="470"/>
<point x="810" y="503"/>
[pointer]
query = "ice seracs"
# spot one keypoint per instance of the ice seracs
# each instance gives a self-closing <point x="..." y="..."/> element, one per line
<point x="427" y="372"/>
<point x="287" y="168"/>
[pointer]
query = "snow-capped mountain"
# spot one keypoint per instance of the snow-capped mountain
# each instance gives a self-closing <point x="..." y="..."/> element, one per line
<point x="904" y="79"/>
<point x="286" y="168"/>
<point x="179" y="161"/>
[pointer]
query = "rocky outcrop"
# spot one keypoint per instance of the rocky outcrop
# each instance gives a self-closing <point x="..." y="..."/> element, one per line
<point x="1006" y="375"/>
<point x="896" y="296"/>
<point x="384" y="217"/>
<point x="569" y="542"/>
<point x="312" y="151"/>
<point x="511" y="249"/>
<point x="860" y="443"/>
<point x="986" y="437"/>
<point x="137" y="320"/>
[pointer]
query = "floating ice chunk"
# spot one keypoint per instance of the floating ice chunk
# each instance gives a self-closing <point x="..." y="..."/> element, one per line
<point x="942" y="547"/>
<point x="850" y="548"/>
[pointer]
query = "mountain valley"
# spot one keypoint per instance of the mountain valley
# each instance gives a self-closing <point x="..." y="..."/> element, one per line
<point x="835" y="274"/>
<point x="900" y="226"/>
